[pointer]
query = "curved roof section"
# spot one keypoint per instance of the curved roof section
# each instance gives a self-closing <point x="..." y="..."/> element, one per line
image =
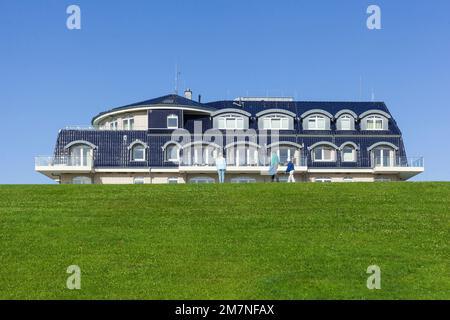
<point x="167" y="100"/>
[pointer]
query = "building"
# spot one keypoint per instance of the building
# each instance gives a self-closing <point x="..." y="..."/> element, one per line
<point x="174" y="139"/>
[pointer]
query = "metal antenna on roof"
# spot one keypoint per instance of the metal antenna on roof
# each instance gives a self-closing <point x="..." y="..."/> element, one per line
<point x="177" y="78"/>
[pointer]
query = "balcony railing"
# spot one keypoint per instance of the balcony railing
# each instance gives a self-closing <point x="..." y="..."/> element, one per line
<point x="402" y="162"/>
<point x="64" y="161"/>
<point x="104" y="128"/>
<point x="265" y="162"/>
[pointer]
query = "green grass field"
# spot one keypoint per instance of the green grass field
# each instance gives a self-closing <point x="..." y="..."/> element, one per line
<point x="255" y="241"/>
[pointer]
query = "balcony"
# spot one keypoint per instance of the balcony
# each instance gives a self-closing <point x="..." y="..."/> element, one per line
<point x="62" y="164"/>
<point x="261" y="167"/>
<point x="406" y="167"/>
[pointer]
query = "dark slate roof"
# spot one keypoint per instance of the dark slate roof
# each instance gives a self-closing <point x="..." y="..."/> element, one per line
<point x="300" y="107"/>
<point x="169" y="99"/>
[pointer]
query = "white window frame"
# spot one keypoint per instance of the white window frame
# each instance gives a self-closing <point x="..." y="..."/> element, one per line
<point x="290" y="155"/>
<point x="82" y="180"/>
<point x="333" y="154"/>
<point x="243" y="180"/>
<point x="268" y="122"/>
<point x="348" y="119"/>
<point x="138" y="180"/>
<point x="202" y="180"/>
<point x="172" y="180"/>
<point x="348" y="179"/>
<point x="315" y="120"/>
<point x="177" y="159"/>
<point x="128" y="123"/>
<point x="390" y="157"/>
<point x="323" y="180"/>
<point x="222" y="123"/>
<point x="114" y="124"/>
<point x="353" y="154"/>
<point x="144" y="153"/>
<point x="371" y="122"/>
<point x="171" y="117"/>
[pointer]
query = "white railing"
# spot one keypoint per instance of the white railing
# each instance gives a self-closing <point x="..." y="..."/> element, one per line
<point x="64" y="161"/>
<point x="301" y="162"/>
<point x="104" y="128"/>
<point x="402" y="162"/>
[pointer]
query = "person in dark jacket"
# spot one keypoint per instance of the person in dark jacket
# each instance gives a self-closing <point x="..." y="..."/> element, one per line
<point x="290" y="170"/>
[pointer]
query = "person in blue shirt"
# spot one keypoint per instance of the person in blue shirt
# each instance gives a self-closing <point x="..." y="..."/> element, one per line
<point x="221" y="165"/>
<point x="290" y="170"/>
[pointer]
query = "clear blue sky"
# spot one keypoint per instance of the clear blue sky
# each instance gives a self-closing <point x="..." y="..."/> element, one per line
<point x="126" y="51"/>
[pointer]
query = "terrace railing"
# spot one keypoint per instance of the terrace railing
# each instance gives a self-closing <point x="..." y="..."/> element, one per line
<point x="64" y="161"/>
<point x="104" y="128"/>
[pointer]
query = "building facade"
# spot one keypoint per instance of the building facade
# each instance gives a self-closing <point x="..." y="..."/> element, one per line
<point x="174" y="139"/>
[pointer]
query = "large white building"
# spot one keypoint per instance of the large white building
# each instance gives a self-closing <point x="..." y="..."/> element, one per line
<point x="174" y="139"/>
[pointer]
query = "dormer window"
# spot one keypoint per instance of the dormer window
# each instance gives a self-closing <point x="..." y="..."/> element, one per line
<point x="138" y="153"/>
<point x="348" y="154"/>
<point x="316" y="123"/>
<point x="374" y="123"/>
<point x="128" y="123"/>
<point x="275" y="122"/>
<point x="346" y="123"/>
<point x="323" y="152"/>
<point x="172" y="121"/>
<point x="172" y="153"/>
<point x="230" y="122"/>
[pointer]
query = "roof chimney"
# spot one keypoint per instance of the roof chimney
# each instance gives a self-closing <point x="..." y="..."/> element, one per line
<point x="188" y="94"/>
<point x="199" y="98"/>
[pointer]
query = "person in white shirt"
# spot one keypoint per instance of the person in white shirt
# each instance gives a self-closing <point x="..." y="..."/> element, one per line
<point x="221" y="165"/>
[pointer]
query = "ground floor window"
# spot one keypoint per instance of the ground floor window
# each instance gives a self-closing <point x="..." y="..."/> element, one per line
<point x="243" y="180"/>
<point x="139" y="180"/>
<point x="173" y="180"/>
<point x="348" y="179"/>
<point x="382" y="179"/>
<point x="201" y="180"/>
<point x="322" y="179"/>
<point x="82" y="180"/>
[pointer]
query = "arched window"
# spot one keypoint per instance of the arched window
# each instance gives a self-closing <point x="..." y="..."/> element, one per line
<point x="242" y="154"/>
<point x="374" y="123"/>
<point x="230" y="122"/>
<point x="348" y="154"/>
<point x="316" y="123"/>
<point x="324" y="153"/>
<point x="199" y="154"/>
<point x="172" y="153"/>
<point x="138" y="152"/>
<point x="383" y="156"/>
<point x="346" y="122"/>
<point x="172" y="121"/>
<point x="82" y="180"/>
<point x="275" y="122"/>
<point x="81" y="155"/>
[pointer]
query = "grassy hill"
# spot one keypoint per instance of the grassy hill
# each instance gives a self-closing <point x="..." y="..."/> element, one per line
<point x="256" y="241"/>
